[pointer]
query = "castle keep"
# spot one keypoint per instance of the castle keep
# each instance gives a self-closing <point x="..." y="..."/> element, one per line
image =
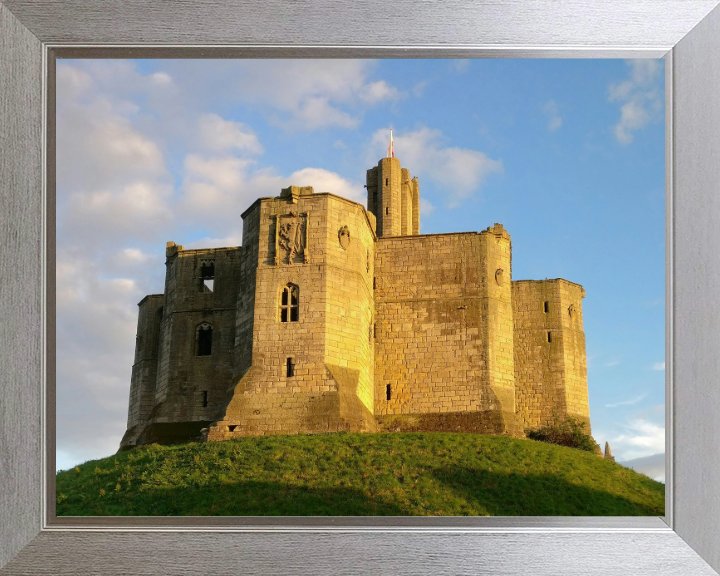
<point x="332" y="316"/>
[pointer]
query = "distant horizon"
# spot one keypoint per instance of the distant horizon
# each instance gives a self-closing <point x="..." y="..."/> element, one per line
<point x="569" y="155"/>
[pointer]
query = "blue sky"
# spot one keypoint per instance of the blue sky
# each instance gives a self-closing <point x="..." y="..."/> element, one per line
<point x="567" y="154"/>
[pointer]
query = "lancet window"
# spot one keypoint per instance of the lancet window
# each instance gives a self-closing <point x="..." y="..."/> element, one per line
<point x="290" y="304"/>
<point x="204" y="339"/>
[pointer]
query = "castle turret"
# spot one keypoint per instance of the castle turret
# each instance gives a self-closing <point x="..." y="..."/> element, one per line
<point x="394" y="199"/>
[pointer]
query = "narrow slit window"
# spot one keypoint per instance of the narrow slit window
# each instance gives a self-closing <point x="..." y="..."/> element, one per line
<point x="546" y="307"/>
<point x="387" y="181"/>
<point x="374" y="330"/>
<point x="549" y="336"/>
<point x="204" y="399"/>
<point x="388" y="392"/>
<point x="290" y="368"/>
<point x="204" y="339"/>
<point x="387" y="211"/>
<point x="374" y="283"/>
<point x="290" y="304"/>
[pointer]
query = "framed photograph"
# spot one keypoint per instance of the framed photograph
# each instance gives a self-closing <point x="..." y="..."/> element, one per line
<point x="434" y="244"/>
<point x="36" y="541"/>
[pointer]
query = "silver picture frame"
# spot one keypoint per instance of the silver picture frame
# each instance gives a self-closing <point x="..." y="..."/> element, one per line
<point x="34" y="33"/>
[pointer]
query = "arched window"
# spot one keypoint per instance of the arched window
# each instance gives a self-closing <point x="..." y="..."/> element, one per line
<point x="204" y="339"/>
<point x="290" y="304"/>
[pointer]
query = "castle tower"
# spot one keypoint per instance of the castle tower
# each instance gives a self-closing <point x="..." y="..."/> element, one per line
<point x="304" y="359"/>
<point x="394" y="199"/>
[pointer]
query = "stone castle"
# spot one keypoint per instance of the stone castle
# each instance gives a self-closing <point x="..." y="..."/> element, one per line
<point x="332" y="316"/>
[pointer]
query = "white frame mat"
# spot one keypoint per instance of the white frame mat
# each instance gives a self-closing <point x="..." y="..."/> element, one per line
<point x="33" y="33"/>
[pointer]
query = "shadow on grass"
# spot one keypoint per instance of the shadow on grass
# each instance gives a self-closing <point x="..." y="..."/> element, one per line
<point x="465" y="491"/>
<point x="249" y="498"/>
<point x="539" y="495"/>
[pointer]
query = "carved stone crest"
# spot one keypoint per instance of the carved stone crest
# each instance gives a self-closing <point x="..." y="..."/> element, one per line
<point x="571" y="310"/>
<point x="344" y="237"/>
<point x="499" y="275"/>
<point x="291" y="238"/>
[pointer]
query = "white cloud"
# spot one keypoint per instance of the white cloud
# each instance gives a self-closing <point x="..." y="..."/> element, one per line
<point x="550" y="108"/>
<point x="633" y="116"/>
<point x="640" y="96"/>
<point x="220" y="188"/>
<point x="308" y="94"/>
<point x="460" y="171"/>
<point x="640" y="438"/>
<point x="460" y="66"/>
<point x="317" y="112"/>
<point x="612" y="363"/>
<point x="161" y="78"/>
<point x="111" y="175"/>
<point x="98" y="146"/>
<point x="379" y="91"/>
<point x="419" y="89"/>
<point x="220" y="135"/>
<point x="426" y="207"/>
<point x="326" y="181"/>
<point x="71" y="82"/>
<point x="659" y="366"/>
<point x="630" y="402"/>
<point x="138" y="208"/>
<point x="134" y="256"/>
<point x="215" y="187"/>
<point x="95" y="331"/>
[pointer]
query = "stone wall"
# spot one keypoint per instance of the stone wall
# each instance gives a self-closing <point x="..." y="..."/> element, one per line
<point x="574" y="353"/>
<point x="196" y="385"/>
<point x="144" y="370"/>
<point x="550" y="364"/>
<point x="443" y="325"/>
<point x="191" y="387"/>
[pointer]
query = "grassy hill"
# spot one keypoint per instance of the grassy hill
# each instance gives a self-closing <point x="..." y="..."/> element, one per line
<point x="358" y="475"/>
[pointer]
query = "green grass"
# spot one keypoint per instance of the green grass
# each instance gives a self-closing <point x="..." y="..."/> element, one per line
<point x="358" y="475"/>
